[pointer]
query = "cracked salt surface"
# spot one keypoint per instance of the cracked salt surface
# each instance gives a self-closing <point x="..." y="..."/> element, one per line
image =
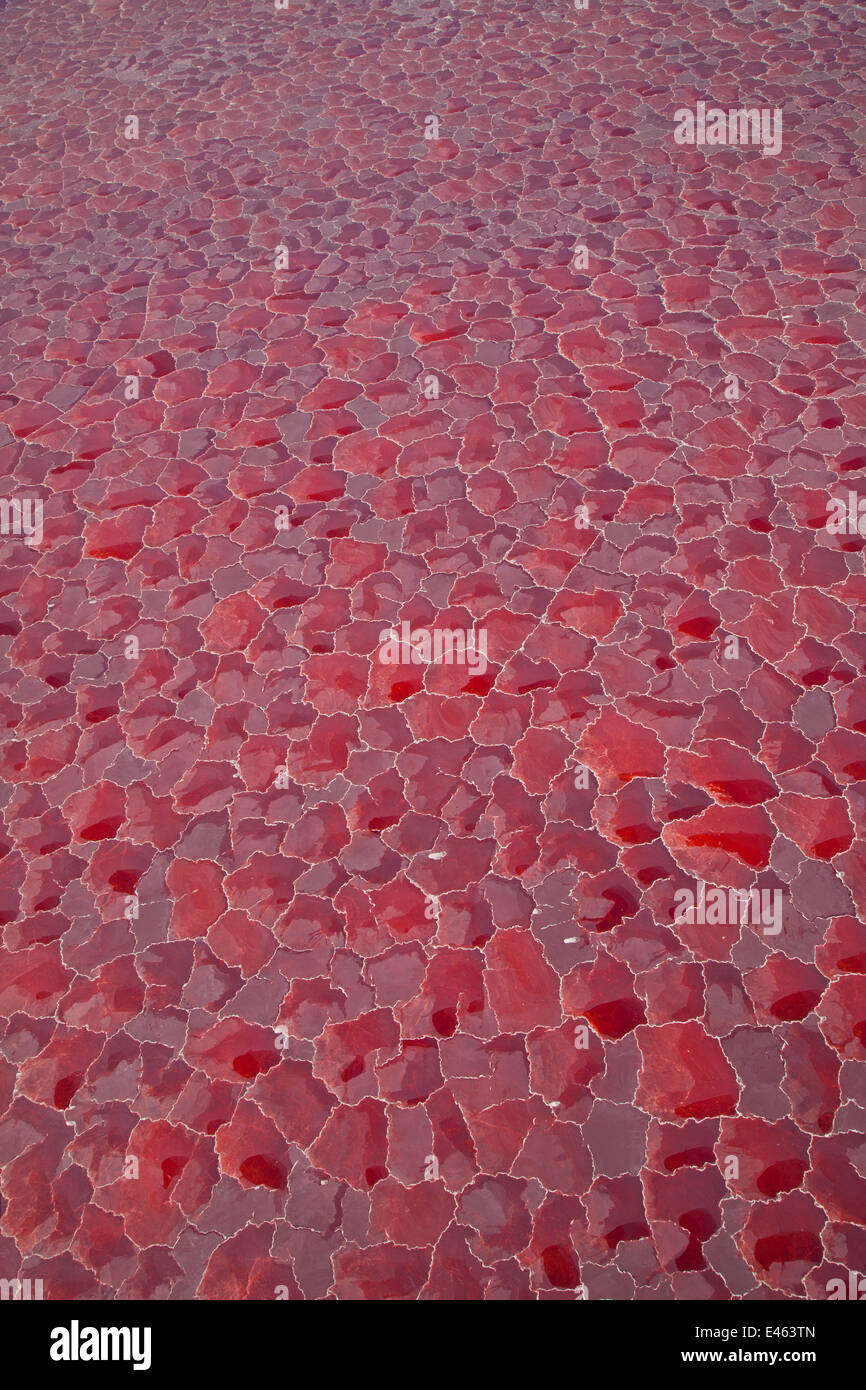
<point x="550" y="376"/>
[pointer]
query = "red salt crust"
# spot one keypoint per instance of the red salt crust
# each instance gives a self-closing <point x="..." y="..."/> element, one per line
<point x="372" y="971"/>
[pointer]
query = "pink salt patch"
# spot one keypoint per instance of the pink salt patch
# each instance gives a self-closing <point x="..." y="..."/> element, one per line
<point x="594" y="615"/>
<point x="232" y="624"/>
<point x="723" y="844"/>
<point x="617" y="750"/>
<point x="685" y="1074"/>
<point x="199" y="900"/>
<point x="523" y="989"/>
<point x="781" y="1242"/>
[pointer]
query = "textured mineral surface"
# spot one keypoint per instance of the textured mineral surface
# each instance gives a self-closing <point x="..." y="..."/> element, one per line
<point x="432" y="650"/>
